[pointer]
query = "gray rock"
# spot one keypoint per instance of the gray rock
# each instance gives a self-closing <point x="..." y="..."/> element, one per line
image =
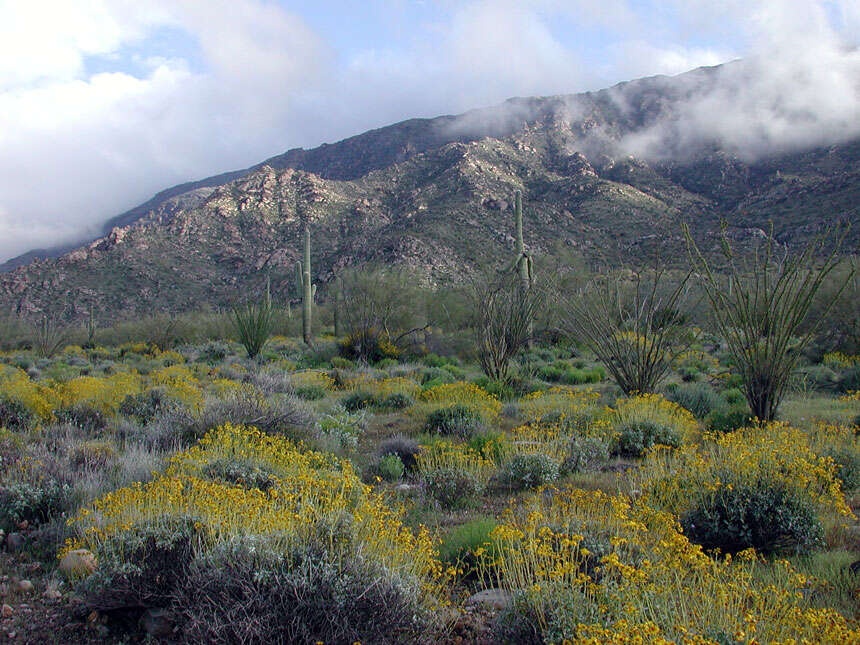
<point x="158" y="623"/>
<point x="496" y="598"/>
<point x="14" y="542"/>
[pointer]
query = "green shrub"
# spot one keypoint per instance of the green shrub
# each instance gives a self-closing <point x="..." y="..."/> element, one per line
<point x="14" y="415"/>
<point x="242" y="472"/>
<point x="368" y="345"/>
<point x="436" y="375"/>
<point x="32" y="502"/>
<point x="488" y="444"/>
<point x="358" y="400"/>
<point x="341" y="363"/>
<point x="729" y="420"/>
<point x="459" y="545"/>
<point x="84" y="416"/>
<point x="214" y="352"/>
<point x="385" y="363"/>
<point x="311" y="392"/>
<point x="457" y="420"/>
<point x="145" y="405"/>
<point x="405" y="448"/>
<point x="698" y="398"/>
<point x="766" y="516"/>
<point x="390" y="468"/>
<point x="451" y="487"/>
<point x="247" y="594"/>
<point x="637" y="437"/>
<point x="585" y="454"/>
<point x="434" y="360"/>
<point x="849" y="380"/>
<point x="847" y="461"/>
<point x="501" y="389"/>
<point x="342" y="429"/>
<point x="734" y="396"/>
<point x="396" y="401"/>
<point x="530" y="471"/>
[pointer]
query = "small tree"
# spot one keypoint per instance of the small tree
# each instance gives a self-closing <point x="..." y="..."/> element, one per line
<point x="253" y="323"/>
<point x="503" y="310"/>
<point x="759" y="303"/>
<point x="633" y="323"/>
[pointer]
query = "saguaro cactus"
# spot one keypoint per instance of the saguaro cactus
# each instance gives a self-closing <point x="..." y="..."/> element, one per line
<point x="306" y="288"/>
<point x="523" y="263"/>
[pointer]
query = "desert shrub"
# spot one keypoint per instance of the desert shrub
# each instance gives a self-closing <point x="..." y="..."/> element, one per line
<point x="761" y="487"/>
<point x="143" y="406"/>
<point x="461" y="393"/>
<point x="585" y="454"/>
<point x="698" y="398"/>
<point x="433" y="376"/>
<point x="140" y="567"/>
<point x="468" y="546"/>
<point x="34" y="502"/>
<point x="733" y="396"/>
<point x="841" y="443"/>
<point x="245" y="406"/>
<point x="245" y="594"/>
<point x="635" y="438"/>
<point x="368" y="345"/>
<point x="396" y="401"/>
<point x="455" y="420"/>
<point x="386" y="363"/>
<point x="341" y="428"/>
<point x="171" y="542"/>
<point x="14" y="415"/>
<point x="489" y="444"/>
<point x="93" y="454"/>
<point x="763" y="515"/>
<point x="242" y="472"/>
<point x="640" y="422"/>
<point x="571" y="409"/>
<point x="820" y="377"/>
<point x="81" y="415"/>
<point x="730" y="419"/>
<point x="530" y="471"/>
<point x="390" y="468"/>
<point x="651" y="584"/>
<point x="310" y="392"/>
<point x="358" y="400"/>
<point x="405" y="448"/>
<point x="214" y="352"/>
<point x="451" y="487"/>
<point x="849" y="380"/>
<point x="503" y="390"/>
<point x="341" y="363"/>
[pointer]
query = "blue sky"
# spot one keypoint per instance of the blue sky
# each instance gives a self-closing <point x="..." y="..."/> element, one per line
<point x="104" y="102"/>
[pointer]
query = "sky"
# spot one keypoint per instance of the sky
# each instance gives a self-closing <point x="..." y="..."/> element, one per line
<point x="105" y="102"/>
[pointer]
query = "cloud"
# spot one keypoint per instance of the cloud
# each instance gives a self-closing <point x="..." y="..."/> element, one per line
<point x="105" y="102"/>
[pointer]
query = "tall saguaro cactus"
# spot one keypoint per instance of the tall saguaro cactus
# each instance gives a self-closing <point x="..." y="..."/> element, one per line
<point x="523" y="264"/>
<point x="306" y="288"/>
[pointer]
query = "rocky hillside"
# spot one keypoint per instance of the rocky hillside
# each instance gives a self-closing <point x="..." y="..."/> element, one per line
<point x="434" y="194"/>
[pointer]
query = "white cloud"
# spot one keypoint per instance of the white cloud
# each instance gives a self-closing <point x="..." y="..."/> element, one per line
<point x="77" y="148"/>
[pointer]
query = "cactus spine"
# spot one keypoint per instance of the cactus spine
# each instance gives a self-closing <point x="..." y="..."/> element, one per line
<point x="306" y="288"/>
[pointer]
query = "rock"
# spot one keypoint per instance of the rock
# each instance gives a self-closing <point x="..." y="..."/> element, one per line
<point x="52" y="594"/>
<point x="158" y="623"/>
<point x="14" y="542"/>
<point x="24" y="586"/>
<point x="496" y="598"/>
<point x="404" y="488"/>
<point x="7" y="611"/>
<point x="78" y="563"/>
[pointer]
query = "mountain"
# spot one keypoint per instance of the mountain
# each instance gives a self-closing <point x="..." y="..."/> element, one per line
<point x="435" y="195"/>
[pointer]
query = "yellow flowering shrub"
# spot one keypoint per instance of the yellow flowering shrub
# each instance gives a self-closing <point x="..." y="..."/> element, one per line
<point x="595" y="568"/>
<point x="37" y="398"/>
<point x="447" y="455"/>
<point x="180" y="383"/>
<point x="104" y="394"/>
<point x="460" y="393"/>
<point x="312" y="379"/>
<point x="774" y="452"/>
<point x="562" y="405"/>
<point x="223" y="386"/>
<point x="381" y="388"/>
<point x="309" y="490"/>
<point x="840" y="360"/>
<point x="653" y="408"/>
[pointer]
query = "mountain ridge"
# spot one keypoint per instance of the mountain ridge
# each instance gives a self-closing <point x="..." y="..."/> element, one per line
<point x="434" y="195"/>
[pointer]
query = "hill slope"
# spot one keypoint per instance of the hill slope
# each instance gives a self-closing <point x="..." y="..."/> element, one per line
<point x="434" y="194"/>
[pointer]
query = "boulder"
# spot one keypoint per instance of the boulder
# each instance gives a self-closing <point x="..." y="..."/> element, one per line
<point x="496" y="598"/>
<point x="78" y="563"/>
